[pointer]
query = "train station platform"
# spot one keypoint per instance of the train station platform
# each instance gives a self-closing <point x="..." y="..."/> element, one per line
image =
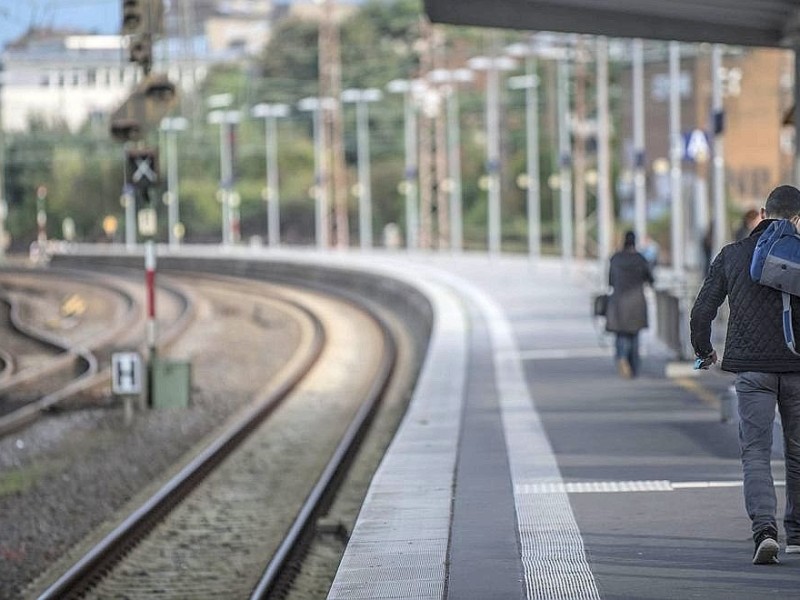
<point x="527" y="468"/>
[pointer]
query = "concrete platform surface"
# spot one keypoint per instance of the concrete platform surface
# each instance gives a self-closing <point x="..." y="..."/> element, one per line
<point x="569" y="481"/>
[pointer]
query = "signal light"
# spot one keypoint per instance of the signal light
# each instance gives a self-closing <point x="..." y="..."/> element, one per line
<point x="159" y="88"/>
<point x="143" y="110"/>
<point x="140" y="51"/>
<point x="132" y="16"/>
<point x="126" y="130"/>
<point x="142" y="16"/>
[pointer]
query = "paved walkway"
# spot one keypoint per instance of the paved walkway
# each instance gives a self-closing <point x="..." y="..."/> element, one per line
<point x="653" y="476"/>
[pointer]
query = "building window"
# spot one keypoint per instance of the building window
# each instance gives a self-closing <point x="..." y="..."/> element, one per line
<point x="91" y="77"/>
<point x="44" y="80"/>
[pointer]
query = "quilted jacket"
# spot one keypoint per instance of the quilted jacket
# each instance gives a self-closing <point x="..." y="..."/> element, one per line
<point x="754" y="339"/>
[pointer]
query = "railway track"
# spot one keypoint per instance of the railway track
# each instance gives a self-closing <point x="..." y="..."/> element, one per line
<point x="53" y="353"/>
<point x="228" y="522"/>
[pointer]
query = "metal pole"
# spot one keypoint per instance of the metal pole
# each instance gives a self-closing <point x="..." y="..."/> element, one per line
<point x="150" y="280"/>
<point x="605" y="221"/>
<point x="129" y="202"/>
<point x="579" y="151"/>
<point x="273" y="191"/>
<point x="173" y="211"/>
<point x="224" y="181"/>
<point x="321" y="188"/>
<point x="640" y="190"/>
<point x="41" y="218"/>
<point x="720" y="213"/>
<point x="412" y="210"/>
<point x="364" y="184"/>
<point x="493" y="154"/>
<point x="797" y="113"/>
<point x="565" y="160"/>
<point x="532" y="130"/>
<point x="676" y="154"/>
<point x="233" y="201"/>
<point x="3" y="202"/>
<point x="454" y="147"/>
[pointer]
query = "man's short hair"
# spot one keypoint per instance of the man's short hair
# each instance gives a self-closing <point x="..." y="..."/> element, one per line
<point x="783" y="202"/>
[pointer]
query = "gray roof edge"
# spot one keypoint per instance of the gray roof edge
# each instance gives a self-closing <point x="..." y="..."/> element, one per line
<point x="506" y="14"/>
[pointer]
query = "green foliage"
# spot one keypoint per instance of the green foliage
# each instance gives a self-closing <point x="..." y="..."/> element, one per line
<point x="83" y="170"/>
<point x="289" y="68"/>
<point x="82" y="175"/>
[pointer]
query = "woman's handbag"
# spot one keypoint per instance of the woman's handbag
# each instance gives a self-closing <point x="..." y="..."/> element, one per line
<point x="600" y="305"/>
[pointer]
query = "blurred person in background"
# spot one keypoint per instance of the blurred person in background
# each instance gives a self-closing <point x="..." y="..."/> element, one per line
<point x="628" y="273"/>
<point x="750" y="219"/>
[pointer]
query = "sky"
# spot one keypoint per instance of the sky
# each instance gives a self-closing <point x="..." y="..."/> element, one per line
<point x="94" y="16"/>
<point x="99" y="16"/>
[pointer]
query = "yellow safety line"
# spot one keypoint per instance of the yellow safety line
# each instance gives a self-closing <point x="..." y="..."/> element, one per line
<point x="706" y="396"/>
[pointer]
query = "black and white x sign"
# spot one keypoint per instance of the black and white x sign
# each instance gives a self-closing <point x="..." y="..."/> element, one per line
<point x="142" y="167"/>
<point x="143" y="171"/>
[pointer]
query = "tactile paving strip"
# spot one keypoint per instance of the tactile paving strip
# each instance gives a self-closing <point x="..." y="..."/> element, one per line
<point x="553" y="555"/>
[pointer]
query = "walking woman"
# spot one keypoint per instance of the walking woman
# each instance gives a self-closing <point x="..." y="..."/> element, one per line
<point x="627" y="307"/>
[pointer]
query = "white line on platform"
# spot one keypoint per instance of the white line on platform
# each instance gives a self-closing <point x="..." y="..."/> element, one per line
<point x="593" y="487"/>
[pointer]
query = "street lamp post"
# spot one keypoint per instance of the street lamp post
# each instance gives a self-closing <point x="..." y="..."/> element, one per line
<point x="450" y="79"/>
<point x="640" y="190"/>
<point x="676" y="154"/>
<point x="171" y="127"/>
<point x="717" y="106"/>
<point x="530" y="83"/>
<point x="362" y="98"/>
<point x="3" y="204"/>
<point x="271" y="113"/>
<point x="493" y="66"/>
<point x="605" y="209"/>
<point x="316" y="106"/>
<point x="41" y="217"/>
<point x="408" y="88"/>
<point x="128" y="201"/>
<point x="226" y="119"/>
<point x="564" y="158"/>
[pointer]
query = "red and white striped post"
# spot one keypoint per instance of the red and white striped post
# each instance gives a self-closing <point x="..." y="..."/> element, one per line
<point x="150" y="277"/>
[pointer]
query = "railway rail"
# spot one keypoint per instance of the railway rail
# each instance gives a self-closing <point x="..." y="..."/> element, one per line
<point x="307" y="382"/>
<point x="301" y="530"/>
<point x="71" y="361"/>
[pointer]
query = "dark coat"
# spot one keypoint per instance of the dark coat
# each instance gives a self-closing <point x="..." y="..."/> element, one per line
<point x="754" y="340"/>
<point x="627" y="307"/>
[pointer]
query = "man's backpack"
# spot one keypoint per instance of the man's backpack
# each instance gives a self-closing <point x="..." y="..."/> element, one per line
<point x="776" y="264"/>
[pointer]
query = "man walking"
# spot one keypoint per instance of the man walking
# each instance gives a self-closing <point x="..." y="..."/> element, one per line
<point x="766" y="373"/>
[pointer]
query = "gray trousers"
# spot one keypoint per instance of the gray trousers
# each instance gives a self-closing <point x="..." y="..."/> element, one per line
<point x="758" y="393"/>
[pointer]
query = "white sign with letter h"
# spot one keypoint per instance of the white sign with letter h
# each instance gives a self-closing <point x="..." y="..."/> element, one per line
<point x="126" y="373"/>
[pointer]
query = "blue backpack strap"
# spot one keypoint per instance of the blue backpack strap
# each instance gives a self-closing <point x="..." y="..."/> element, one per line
<point x="788" y="332"/>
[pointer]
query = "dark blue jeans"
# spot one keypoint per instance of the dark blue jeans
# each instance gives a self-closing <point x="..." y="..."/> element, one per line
<point x="758" y="394"/>
<point x="627" y="347"/>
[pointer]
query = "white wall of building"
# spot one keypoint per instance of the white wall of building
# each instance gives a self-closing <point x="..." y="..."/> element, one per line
<point x="68" y="79"/>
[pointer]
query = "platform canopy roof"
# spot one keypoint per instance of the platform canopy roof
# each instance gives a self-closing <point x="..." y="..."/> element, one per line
<point x="736" y="22"/>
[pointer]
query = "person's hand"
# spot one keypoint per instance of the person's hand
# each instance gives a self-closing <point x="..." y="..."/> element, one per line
<point x="796" y="221"/>
<point x="704" y="363"/>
